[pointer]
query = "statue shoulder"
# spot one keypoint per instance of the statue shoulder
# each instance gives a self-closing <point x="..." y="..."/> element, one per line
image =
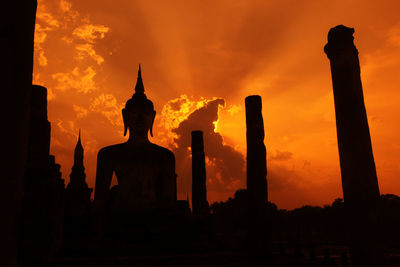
<point x="164" y="152"/>
<point x="109" y="151"/>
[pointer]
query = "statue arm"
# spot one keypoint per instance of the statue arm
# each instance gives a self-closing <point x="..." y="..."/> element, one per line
<point x="168" y="183"/>
<point x="104" y="173"/>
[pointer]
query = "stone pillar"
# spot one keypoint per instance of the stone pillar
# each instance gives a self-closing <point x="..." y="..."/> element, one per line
<point x="256" y="176"/>
<point x="199" y="191"/>
<point x="17" y="26"/>
<point x="39" y="130"/>
<point x="359" y="180"/>
<point x="42" y="209"/>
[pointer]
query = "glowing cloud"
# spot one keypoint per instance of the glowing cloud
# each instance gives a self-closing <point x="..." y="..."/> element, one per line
<point x="90" y="32"/>
<point x="107" y="105"/>
<point x="177" y="110"/>
<point x="81" y="111"/>
<point x="82" y="81"/>
<point x="88" y="49"/>
<point x="45" y="23"/>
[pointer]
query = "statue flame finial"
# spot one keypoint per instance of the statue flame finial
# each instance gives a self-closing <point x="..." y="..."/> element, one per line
<point x="139" y="88"/>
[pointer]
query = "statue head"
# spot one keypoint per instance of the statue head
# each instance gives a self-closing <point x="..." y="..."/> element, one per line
<point x="138" y="114"/>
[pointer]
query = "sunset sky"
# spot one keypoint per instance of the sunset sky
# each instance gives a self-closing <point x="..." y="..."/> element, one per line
<point x="200" y="59"/>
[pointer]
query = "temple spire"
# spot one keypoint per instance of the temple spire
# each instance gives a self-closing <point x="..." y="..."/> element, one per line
<point x="79" y="143"/>
<point x="139" y="88"/>
<point x="77" y="196"/>
<point x="79" y="137"/>
<point x="78" y="154"/>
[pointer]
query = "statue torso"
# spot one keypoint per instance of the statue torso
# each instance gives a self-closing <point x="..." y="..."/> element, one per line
<point x="142" y="171"/>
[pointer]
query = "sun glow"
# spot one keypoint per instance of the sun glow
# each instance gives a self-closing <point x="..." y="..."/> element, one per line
<point x="177" y="110"/>
<point x="87" y="59"/>
<point x="216" y="123"/>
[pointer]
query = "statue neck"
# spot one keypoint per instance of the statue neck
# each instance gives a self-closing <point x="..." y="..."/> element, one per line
<point x="135" y="138"/>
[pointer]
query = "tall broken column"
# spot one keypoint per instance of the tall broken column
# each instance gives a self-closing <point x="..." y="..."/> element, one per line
<point x="39" y="130"/>
<point x="199" y="191"/>
<point x="256" y="176"/>
<point x="359" y="179"/>
<point x="17" y="27"/>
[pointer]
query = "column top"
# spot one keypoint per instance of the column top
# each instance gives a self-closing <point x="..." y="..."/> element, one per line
<point x="340" y="39"/>
<point x="39" y="102"/>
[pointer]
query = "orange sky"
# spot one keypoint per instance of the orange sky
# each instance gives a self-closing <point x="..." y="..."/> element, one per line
<point x="210" y="55"/>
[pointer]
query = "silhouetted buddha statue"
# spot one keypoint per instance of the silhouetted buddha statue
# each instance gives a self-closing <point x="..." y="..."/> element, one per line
<point x="145" y="172"/>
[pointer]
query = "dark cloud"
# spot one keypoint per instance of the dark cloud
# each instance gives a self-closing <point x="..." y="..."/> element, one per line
<point x="175" y="105"/>
<point x="281" y="178"/>
<point x="225" y="168"/>
<point x="292" y="187"/>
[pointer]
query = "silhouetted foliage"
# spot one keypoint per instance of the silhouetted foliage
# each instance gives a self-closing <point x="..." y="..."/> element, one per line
<point x="306" y="225"/>
<point x="390" y="218"/>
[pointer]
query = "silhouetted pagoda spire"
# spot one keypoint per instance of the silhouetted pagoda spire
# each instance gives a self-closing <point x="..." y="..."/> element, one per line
<point x="77" y="208"/>
<point x="78" y="175"/>
<point x="78" y="153"/>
